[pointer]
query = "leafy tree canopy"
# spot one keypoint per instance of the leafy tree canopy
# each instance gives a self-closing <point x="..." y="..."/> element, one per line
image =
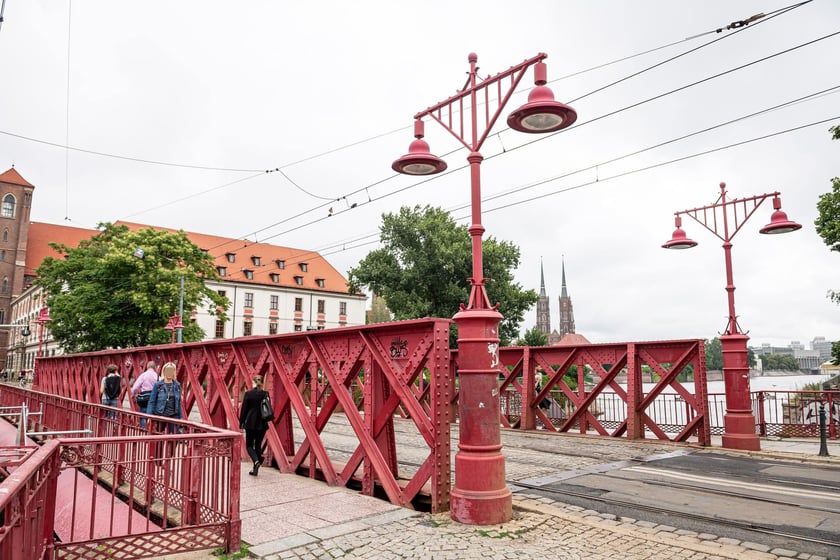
<point x="782" y="362"/>
<point x="533" y="337"/>
<point x="714" y="355"/>
<point x="423" y="266"/>
<point x="103" y="294"/>
<point x="828" y="220"/>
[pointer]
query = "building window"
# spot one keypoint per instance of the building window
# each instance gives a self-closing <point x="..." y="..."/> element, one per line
<point x="220" y="329"/>
<point x="275" y="277"/>
<point x="298" y="328"/>
<point x="275" y="302"/>
<point x="231" y="257"/>
<point x="304" y="267"/>
<point x="320" y="282"/>
<point x="342" y="308"/>
<point x="249" y="274"/>
<point x="281" y="264"/>
<point x="247" y="328"/>
<point x="3" y="255"/>
<point x="299" y="280"/>
<point x="272" y="328"/>
<point x="5" y="235"/>
<point x="221" y="292"/>
<point x="321" y="305"/>
<point x="2" y="316"/>
<point x="5" y="286"/>
<point x="9" y="206"/>
<point x="256" y="261"/>
<point x="298" y="304"/>
<point x="222" y="270"/>
<point x="249" y="299"/>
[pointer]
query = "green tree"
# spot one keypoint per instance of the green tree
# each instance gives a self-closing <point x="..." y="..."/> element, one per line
<point x="104" y="294"/>
<point x="533" y="337"/>
<point x="835" y="353"/>
<point x="422" y="269"/>
<point x="781" y="362"/>
<point x="714" y="355"/>
<point x="828" y="220"/>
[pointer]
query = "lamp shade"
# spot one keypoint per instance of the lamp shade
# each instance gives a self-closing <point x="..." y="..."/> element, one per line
<point x="679" y="241"/>
<point x="419" y="160"/>
<point x="542" y="113"/>
<point x="779" y="223"/>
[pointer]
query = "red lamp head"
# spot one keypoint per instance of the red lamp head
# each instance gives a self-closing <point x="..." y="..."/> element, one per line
<point x="678" y="239"/>
<point x="43" y="315"/>
<point x="419" y="160"/>
<point x="542" y="113"/>
<point x="779" y="222"/>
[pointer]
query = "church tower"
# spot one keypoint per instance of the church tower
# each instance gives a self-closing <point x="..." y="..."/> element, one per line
<point x="15" y="204"/>
<point x="543" y="312"/>
<point x="567" y="314"/>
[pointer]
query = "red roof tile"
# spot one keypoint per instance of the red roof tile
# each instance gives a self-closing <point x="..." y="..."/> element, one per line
<point x="13" y="177"/>
<point x="244" y="252"/>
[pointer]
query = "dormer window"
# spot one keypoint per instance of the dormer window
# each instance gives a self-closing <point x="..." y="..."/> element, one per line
<point x="249" y="274"/>
<point x="320" y="282"/>
<point x="304" y="267"/>
<point x="275" y="277"/>
<point x="299" y="280"/>
<point x="205" y="251"/>
<point x="281" y="264"/>
<point x="231" y="257"/>
<point x="222" y="270"/>
<point x="256" y="261"/>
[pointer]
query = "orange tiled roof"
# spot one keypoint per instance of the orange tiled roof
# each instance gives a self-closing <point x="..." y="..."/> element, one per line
<point x="13" y="177"/>
<point x="244" y="252"/>
<point x="572" y="339"/>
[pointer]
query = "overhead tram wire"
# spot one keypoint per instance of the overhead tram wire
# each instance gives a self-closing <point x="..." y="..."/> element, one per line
<point x="777" y="107"/>
<point x="547" y="136"/>
<point x="661" y="164"/>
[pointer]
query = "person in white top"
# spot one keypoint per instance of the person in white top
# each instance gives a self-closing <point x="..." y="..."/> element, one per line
<point x="144" y="384"/>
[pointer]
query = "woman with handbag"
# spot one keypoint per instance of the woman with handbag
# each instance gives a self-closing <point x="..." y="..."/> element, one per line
<point x="252" y="421"/>
<point x="165" y="399"/>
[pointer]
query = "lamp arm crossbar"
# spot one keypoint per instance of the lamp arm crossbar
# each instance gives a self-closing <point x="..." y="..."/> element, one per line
<point x="443" y="111"/>
<point x="709" y="220"/>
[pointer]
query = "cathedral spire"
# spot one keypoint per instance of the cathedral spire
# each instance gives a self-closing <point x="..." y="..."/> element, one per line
<point x="563" y="268"/>
<point x="542" y="279"/>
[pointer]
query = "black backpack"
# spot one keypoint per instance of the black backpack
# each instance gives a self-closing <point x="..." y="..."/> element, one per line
<point x="112" y="386"/>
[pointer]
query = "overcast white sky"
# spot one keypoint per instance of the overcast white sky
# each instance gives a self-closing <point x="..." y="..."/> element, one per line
<point x="326" y="91"/>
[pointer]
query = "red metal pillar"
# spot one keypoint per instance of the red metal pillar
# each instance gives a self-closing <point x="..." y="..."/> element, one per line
<point x="739" y="420"/>
<point x="480" y="495"/>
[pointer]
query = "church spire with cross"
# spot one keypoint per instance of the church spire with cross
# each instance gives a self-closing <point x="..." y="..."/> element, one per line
<point x="543" y="312"/>
<point x="567" y="314"/>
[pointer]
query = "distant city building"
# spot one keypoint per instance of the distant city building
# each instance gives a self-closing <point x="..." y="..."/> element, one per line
<point x="823" y="346"/>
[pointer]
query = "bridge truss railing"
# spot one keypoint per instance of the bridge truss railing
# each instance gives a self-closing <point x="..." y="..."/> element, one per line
<point x="581" y="383"/>
<point x="131" y="487"/>
<point x="369" y="373"/>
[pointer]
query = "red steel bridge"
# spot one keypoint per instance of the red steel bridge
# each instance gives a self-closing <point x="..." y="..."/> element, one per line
<point x="370" y="375"/>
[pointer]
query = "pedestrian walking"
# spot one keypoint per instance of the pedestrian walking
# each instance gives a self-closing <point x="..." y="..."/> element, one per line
<point x="143" y="385"/>
<point x="165" y="399"/>
<point x="251" y="420"/>
<point x="110" y="388"/>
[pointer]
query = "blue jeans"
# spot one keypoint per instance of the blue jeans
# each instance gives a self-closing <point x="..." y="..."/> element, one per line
<point x="111" y="402"/>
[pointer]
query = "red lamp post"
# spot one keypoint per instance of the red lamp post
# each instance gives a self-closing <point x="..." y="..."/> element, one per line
<point x="724" y="218"/>
<point x="42" y="320"/>
<point x="174" y="325"/>
<point x="480" y="496"/>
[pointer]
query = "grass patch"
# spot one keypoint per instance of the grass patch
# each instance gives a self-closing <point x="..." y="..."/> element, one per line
<point x="243" y="553"/>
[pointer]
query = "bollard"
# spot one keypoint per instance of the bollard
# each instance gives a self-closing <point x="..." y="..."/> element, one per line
<point x="823" y="443"/>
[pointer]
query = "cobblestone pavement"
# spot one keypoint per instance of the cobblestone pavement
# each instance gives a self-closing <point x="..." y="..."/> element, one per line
<point x="539" y="529"/>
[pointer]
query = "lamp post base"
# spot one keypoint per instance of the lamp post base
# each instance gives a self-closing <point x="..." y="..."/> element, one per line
<point x="739" y="420"/>
<point x="480" y="495"/>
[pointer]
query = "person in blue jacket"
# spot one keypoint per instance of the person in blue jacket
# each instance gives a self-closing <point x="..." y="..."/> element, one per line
<point x="165" y="399"/>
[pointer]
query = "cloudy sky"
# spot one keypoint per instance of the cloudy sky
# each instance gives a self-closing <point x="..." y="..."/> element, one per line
<point x="171" y="113"/>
